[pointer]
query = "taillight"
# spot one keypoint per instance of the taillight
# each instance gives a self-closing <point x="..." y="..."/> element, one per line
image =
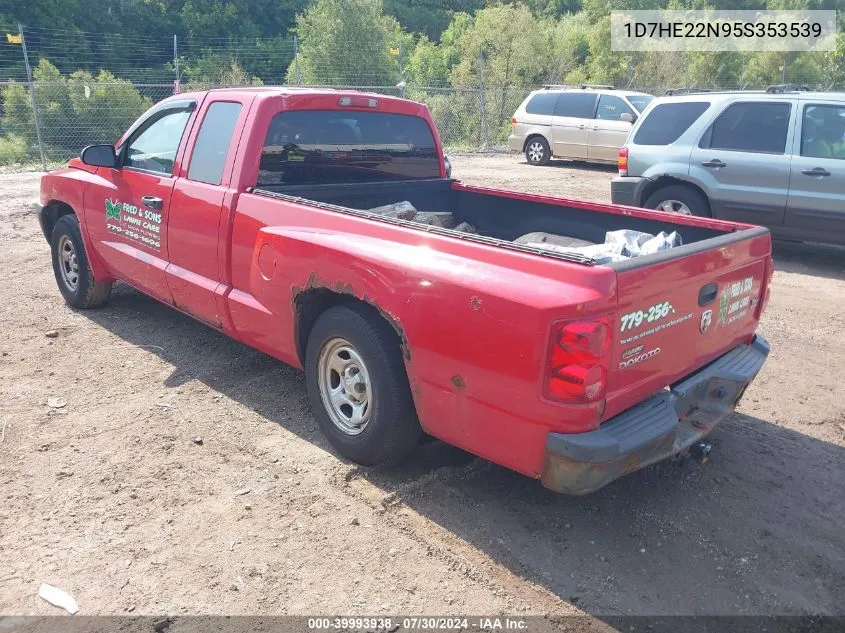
<point x="767" y="286"/>
<point x="622" y="161"/>
<point x="513" y="122"/>
<point x="576" y="369"/>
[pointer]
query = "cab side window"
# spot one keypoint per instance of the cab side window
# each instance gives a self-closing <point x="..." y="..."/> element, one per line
<point x="611" y="108"/>
<point x="823" y="131"/>
<point x="154" y="145"/>
<point x="213" y="141"/>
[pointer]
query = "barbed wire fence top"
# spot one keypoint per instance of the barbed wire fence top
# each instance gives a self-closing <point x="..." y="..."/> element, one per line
<point x="62" y="90"/>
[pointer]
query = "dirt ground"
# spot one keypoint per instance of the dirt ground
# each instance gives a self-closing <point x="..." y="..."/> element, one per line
<point x="105" y="495"/>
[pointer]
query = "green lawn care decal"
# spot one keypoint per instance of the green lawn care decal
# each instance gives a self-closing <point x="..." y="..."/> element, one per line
<point x="112" y="210"/>
<point x="135" y="224"/>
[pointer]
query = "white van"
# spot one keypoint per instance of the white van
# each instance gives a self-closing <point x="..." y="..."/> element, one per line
<point x="588" y="123"/>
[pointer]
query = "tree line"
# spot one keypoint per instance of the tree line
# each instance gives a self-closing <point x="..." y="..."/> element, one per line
<point x="439" y="50"/>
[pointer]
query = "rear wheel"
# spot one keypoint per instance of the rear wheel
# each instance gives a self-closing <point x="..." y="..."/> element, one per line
<point x="679" y="199"/>
<point x="358" y="387"/>
<point x="537" y="151"/>
<point x="70" y="266"/>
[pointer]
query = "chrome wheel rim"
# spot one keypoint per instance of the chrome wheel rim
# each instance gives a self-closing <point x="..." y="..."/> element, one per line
<point x="68" y="264"/>
<point x="345" y="386"/>
<point x="536" y="152"/>
<point x="674" y="206"/>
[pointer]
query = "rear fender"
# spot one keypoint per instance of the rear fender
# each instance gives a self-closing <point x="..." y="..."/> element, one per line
<point x="474" y="333"/>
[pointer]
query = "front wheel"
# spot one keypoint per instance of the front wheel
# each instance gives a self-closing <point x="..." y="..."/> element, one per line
<point x="537" y="151"/>
<point x="679" y="199"/>
<point x="358" y="387"/>
<point x="71" y="268"/>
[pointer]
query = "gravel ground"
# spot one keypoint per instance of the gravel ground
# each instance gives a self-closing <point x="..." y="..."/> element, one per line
<point x="105" y="494"/>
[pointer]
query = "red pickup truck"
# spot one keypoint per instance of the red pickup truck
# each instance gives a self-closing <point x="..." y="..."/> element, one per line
<point x="261" y="212"/>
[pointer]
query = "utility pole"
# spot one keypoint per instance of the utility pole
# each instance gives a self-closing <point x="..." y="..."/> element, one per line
<point x="176" y="84"/>
<point x="482" y="104"/>
<point x="297" y="77"/>
<point x="32" y="99"/>
<point x="401" y="69"/>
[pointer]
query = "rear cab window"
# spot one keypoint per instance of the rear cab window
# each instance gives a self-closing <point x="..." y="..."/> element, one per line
<point x="666" y="122"/>
<point x="318" y="147"/>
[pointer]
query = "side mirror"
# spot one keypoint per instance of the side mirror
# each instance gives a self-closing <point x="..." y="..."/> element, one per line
<point x="627" y="117"/>
<point x="448" y="166"/>
<point x="99" y="156"/>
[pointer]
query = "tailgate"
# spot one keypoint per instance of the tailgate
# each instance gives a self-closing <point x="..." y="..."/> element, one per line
<point x="678" y="314"/>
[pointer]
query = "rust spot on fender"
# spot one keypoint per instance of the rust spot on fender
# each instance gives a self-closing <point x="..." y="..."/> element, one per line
<point x="345" y="288"/>
<point x="458" y="381"/>
<point x="475" y="302"/>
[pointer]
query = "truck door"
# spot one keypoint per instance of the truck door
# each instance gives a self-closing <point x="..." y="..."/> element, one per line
<point x="573" y="114"/>
<point x="126" y="208"/>
<point x="198" y="222"/>
<point x="817" y="172"/>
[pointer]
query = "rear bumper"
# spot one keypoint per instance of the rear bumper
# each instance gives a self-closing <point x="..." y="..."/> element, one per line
<point x="627" y="190"/>
<point x="516" y="142"/>
<point x="660" y="427"/>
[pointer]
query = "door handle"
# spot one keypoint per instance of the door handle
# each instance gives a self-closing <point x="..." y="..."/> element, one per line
<point x="595" y="127"/>
<point x="707" y="294"/>
<point x="815" y="171"/>
<point x="152" y="202"/>
<point x="581" y="127"/>
<point x="714" y="163"/>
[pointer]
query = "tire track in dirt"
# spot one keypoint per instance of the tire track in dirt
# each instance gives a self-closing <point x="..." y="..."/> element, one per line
<point x="523" y="595"/>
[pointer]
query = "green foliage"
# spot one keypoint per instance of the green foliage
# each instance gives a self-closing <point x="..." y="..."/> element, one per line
<point x="72" y="111"/>
<point x="17" y="112"/>
<point x="349" y="42"/>
<point x="216" y="69"/>
<point x="449" y="48"/>
<point x="14" y="149"/>
<point x="427" y="65"/>
<point x="103" y="106"/>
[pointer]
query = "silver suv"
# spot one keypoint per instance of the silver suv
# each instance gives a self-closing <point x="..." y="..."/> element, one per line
<point x="775" y="158"/>
<point x="580" y="123"/>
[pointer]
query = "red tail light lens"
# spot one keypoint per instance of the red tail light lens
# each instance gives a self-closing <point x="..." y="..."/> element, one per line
<point x="622" y="161"/>
<point x="513" y="121"/>
<point x="577" y="363"/>
<point x="767" y="286"/>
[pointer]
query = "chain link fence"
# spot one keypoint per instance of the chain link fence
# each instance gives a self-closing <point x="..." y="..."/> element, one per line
<point x="46" y="123"/>
<point x="48" y="115"/>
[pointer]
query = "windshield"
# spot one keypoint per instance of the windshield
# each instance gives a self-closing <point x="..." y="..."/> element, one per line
<point x="639" y="101"/>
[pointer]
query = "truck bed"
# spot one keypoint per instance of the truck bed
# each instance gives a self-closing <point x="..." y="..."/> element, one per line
<point x="504" y="216"/>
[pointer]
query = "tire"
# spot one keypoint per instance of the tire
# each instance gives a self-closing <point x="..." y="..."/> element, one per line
<point x="537" y="151"/>
<point x="70" y="266"/>
<point x="353" y="342"/>
<point x="682" y="199"/>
